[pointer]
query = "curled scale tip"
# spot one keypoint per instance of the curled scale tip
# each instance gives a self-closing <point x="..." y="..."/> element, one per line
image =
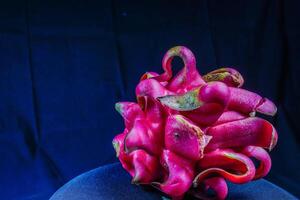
<point x="118" y="107"/>
<point x="116" y="146"/>
<point x="229" y="76"/>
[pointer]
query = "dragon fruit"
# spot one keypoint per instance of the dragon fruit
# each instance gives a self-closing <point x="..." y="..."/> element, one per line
<point x="189" y="133"/>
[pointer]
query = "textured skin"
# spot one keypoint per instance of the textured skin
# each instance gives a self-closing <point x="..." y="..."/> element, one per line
<point x="188" y="133"/>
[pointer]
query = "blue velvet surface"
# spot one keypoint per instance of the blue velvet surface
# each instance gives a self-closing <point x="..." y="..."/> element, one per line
<point x="112" y="182"/>
<point x="63" y="65"/>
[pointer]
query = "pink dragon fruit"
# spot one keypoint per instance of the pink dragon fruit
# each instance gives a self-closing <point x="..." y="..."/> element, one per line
<point x="189" y="133"/>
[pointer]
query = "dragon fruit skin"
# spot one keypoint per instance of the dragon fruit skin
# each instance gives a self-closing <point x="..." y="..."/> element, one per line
<point x="184" y="138"/>
<point x="217" y="184"/>
<point x="143" y="167"/>
<point x="245" y="132"/>
<point x="189" y="133"/>
<point x="247" y="102"/>
<point x="261" y="155"/>
<point x="180" y="174"/>
<point x="217" y="161"/>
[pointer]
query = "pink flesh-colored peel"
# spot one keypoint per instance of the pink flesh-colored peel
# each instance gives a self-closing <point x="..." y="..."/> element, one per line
<point x="189" y="130"/>
<point x="250" y="131"/>
<point x="146" y="167"/>
<point x="149" y="88"/>
<point x="184" y="138"/>
<point x="130" y="112"/>
<point x="217" y="184"/>
<point x="155" y="115"/>
<point x="118" y="142"/>
<point x="261" y="155"/>
<point x="126" y="161"/>
<point x="229" y="116"/>
<point x="142" y="137"/>
<point x="143" y="167"/>
<point x="235" y="167"/>
<point x="180" y="174"/>
<point x="247" y="102"/>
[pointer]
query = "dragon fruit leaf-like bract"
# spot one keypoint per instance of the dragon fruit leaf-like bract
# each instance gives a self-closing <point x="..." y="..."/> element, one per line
<point x="229" y="76"/>
<point x="189" y="133"/>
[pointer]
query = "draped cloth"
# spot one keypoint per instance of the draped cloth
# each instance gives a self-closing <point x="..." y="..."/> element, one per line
<point x="64" y="64"/>
<point x="111" y="182"/>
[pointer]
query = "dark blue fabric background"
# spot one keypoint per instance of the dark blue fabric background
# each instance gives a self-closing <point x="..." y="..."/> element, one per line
<point x="63" y="65"/>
